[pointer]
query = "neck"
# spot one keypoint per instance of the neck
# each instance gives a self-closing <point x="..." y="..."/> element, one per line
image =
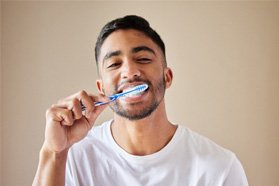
<point x="145" y="136"/>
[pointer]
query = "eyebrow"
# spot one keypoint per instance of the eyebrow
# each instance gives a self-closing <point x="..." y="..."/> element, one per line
<point x="143" y="48"/>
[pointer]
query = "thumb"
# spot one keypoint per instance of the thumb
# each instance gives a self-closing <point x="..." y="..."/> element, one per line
<point x="93" y="115"/>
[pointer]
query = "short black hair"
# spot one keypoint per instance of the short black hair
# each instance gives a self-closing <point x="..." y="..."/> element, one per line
<point x="128" y="22"/>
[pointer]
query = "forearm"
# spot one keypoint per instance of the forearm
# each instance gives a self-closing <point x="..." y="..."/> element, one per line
<point x="51" y="169"/>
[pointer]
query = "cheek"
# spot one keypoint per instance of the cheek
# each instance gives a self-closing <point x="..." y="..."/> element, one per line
<point x="109" y="86"/>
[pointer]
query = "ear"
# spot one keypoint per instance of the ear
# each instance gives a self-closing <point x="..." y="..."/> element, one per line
<point x="168" y="75"/>
<point x="99" y="84"/>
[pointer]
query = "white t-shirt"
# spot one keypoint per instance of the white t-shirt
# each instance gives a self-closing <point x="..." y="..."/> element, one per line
<point x="188" y="159"/>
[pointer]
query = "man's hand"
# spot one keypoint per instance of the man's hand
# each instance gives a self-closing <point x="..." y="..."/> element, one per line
<point x="66" y="123"/>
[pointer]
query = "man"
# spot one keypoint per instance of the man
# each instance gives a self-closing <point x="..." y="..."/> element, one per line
<point x="139" y="146"/>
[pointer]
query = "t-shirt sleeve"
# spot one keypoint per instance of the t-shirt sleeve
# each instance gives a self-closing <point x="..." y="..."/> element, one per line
<point x="236" y="175"/>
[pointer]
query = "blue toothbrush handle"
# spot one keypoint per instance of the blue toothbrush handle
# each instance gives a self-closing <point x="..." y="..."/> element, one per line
<point x="99" y="103"/>
<point x="139" y="88"/>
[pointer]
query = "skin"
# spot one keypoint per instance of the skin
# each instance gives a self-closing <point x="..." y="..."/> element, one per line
<point x="120" y="67"/>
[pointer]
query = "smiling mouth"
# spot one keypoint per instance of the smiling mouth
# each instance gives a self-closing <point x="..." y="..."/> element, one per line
<point x="127" y="88"/>
<point x="133" y="90"/>
<point x="134" y="93"/>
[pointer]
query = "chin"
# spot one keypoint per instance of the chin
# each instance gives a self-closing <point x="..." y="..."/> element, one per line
<point x="136" y="111"/>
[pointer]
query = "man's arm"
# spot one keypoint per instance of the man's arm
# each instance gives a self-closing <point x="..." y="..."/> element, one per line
<point x="66" y="124"/>
<point x="51" y="168"/>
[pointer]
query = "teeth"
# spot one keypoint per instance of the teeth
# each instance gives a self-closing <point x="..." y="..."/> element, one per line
<point x="132" y="94"/>
<point x="128" y="89"/>
<point x="132" y="91"/>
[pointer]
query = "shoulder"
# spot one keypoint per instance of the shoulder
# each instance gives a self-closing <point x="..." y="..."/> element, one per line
<point x="207" y="158"/>
<point x="206" y="152"/>
<point x="201" y="144"/>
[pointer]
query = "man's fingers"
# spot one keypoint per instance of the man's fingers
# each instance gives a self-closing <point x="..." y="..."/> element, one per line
<point x="75" y="102"/>
<point x="63" y="116"/>
<point x="92" y="116"/>
<point x="94" y="108"/>
<point x="87" y="102"/>
<point x="76" y="108"/>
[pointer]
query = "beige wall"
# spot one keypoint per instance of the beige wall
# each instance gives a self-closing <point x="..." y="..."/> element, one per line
<point x="224" y="57"/>
<point x="0" y="95"/>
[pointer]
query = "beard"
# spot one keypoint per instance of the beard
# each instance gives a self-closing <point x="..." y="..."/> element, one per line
<point x="138" y="113"/>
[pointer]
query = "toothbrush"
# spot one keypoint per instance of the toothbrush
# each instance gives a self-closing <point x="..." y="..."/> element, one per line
<point x="135" y="90"/>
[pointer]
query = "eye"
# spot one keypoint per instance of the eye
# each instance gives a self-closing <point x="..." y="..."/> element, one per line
<point x="113" y="65"/>
<point x="144" y="60"/>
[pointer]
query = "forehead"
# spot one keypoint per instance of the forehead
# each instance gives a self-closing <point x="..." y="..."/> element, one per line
<point x="124" y="40"/>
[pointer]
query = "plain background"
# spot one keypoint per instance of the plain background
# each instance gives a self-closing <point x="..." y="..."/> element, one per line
<point x="224" y="55"/>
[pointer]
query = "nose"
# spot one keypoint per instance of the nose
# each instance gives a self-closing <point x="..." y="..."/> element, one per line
<point x="130" y="70"/>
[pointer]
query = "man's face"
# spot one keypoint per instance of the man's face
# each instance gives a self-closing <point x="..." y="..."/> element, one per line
<point x="129" y="58"/>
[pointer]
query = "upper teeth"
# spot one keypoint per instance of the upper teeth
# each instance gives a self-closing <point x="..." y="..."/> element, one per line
<point x="128" y="89"/>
